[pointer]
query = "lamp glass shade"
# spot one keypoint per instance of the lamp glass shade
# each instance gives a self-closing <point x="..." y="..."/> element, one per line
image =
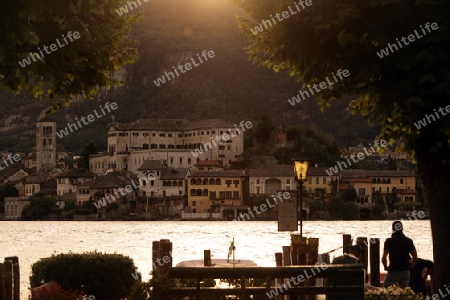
<point x="300" y="169"/>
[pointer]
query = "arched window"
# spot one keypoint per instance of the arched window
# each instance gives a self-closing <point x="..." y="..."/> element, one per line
<point x="205" y="192"/>
<point x="168" y="183"/>
<point x="378" y="180"/>
<point x="174" y="183"/>
<point x="199" y="192"/>
<point x="389" y="180"/>
<point x="193" y="192"/>
<point x="192" y="181"/>
<point x="199" y="181"/>
<point x="218" y="181"/>
<point x="212" y="181"/>
<point x="180" y="182"/>
<point x="205" y="181"/>
<point x="383" y="181"/>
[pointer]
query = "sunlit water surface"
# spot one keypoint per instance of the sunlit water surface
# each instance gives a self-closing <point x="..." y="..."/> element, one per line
<point x="257" y="241"/>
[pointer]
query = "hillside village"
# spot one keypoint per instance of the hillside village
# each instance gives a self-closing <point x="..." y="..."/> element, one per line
<point x="157" y="169"/>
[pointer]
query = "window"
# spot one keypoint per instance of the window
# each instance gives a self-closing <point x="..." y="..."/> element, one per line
<point x="221" y="195"/>
<point x="205" y="181"/>
<point x="236" y="183"/>
<point x="218" y="181"/>
<point x="171" y="160"/>
<point x="221" y="132"/>
<point x="212" y="195"/>
<point x="135" y="133"/>
<point x="258" y="181"/>
<point x="145" y="134"/>
<point x="189" y="161"/>
<point x="309" y="180"/>
<point x="221" y="147"/>
<point x="235" y="195"/>
<point x="153" y="134"/>
<point x="288" y="181"/>
<point x="324" y="180"/>
<point x="317" y="180"/>
<point x="162" y="146"/>
<point x="228" y="183"/>
<point x="162" y="134"/>
<point x="207" y="132"/>
<point x="194" y="203"/>
<point x="205" y="192"/>
<point x="362" y="191"/>
<point x="228" y="147"/>
<point x="181" y="160"/>
<point x="192" y="181"/>
<point x="169" y="135"/>
<point x="401" y="180"/>
<point x="228" y="195"/>
<point x="213" y="132"/>
<point x="171" y="146"/>
<point x="180" y="135"/>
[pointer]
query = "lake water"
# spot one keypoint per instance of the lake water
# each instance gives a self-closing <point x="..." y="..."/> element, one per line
<point x="257" y="241"/>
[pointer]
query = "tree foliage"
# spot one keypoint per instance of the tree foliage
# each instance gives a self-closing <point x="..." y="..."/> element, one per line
<point x="40" y="207"/>
<point x="395" y="91"/>
<point x="79" y="67"/>
<point x="89" y="149"/>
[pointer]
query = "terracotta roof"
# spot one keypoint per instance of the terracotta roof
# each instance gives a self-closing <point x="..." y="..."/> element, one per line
<point x="111" y="180"/>
<point x="318" y="171"/>
<point x="152" y="164"/>
<point x="205" y="163"/>
<point x="170" y="124"/>
<point x="36" y="179"/>
<point x="152" y="124"/>
<point x="217" y="174"/>
<point x="174" y="174"/>
<point x="68" y="196"/>
<point x="274" y="171"/>
<point x="77" y="173"/>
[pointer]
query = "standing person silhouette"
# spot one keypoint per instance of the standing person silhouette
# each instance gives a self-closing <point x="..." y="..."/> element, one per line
<point x="400" y="249"/>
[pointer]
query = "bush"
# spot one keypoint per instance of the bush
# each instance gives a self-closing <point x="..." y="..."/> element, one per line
<point x="106" y="276"/>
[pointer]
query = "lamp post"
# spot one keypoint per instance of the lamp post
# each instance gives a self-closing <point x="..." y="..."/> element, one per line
<point x="300" y="170"/>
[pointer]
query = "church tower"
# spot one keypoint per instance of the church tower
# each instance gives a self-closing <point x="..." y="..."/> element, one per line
<point x="45" y="145"/>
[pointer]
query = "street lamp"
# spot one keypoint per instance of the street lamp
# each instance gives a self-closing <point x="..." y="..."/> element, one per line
<point x="300" y="170"/>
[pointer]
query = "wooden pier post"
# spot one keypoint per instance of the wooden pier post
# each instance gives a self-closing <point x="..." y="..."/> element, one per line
<point x="346" y="243"/>
<point x="166" y="254"/>
<point x="364" y="259"/>
<point x="279" y="263"/>
<point x="16" y="276"/>
<point x="155" y="256"/>
<point x="2" y="282"/>
<point x="9" y="280"/>
<point x="207" y="258"/>
<point x="375" y="262"/>
<point x="286" y="255"/>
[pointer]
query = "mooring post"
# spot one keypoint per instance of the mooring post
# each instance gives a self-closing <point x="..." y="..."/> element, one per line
<point x="375" y="262"/>
<point x="9" y="281"/>
<point x="364" y="259"/>
<point x="2" y="282"/>
<point x="346" y="243"/>
<point x="16" y="276"/>
<point x="207" y="258"/>
<point x="286" y="255"/>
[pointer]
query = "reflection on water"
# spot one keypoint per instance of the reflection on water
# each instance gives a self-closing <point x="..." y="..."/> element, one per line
<point x="257" y="241"/>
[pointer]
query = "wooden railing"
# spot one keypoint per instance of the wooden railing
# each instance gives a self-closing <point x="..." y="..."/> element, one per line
<point x="344" y="281"/>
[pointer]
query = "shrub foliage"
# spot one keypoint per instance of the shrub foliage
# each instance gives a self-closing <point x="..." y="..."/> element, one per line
<point x="106" y="276"/>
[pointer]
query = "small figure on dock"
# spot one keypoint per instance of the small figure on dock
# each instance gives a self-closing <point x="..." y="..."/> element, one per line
<point x="400" y="249"/>
<point x="349" y="258"/>
<point x="419" y="274"/>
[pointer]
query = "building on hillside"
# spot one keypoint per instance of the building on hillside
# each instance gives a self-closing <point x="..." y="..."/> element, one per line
<point x="40" y="183"/>
<point x="14" y="207"/>
<point x="209" y="165"/>
<point x="178" y="142"/>
<point x="318" y="183"/>
<point x="216" y="191"/>
<point x="45" y="145"/>
<point x="68" y="181"/>
<point x="109" y="185"/>
<point x="158" y="180"/>
<point x="13" y="175"/>
<point x="366" y="182"/>
<point x="269" y="180"/>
